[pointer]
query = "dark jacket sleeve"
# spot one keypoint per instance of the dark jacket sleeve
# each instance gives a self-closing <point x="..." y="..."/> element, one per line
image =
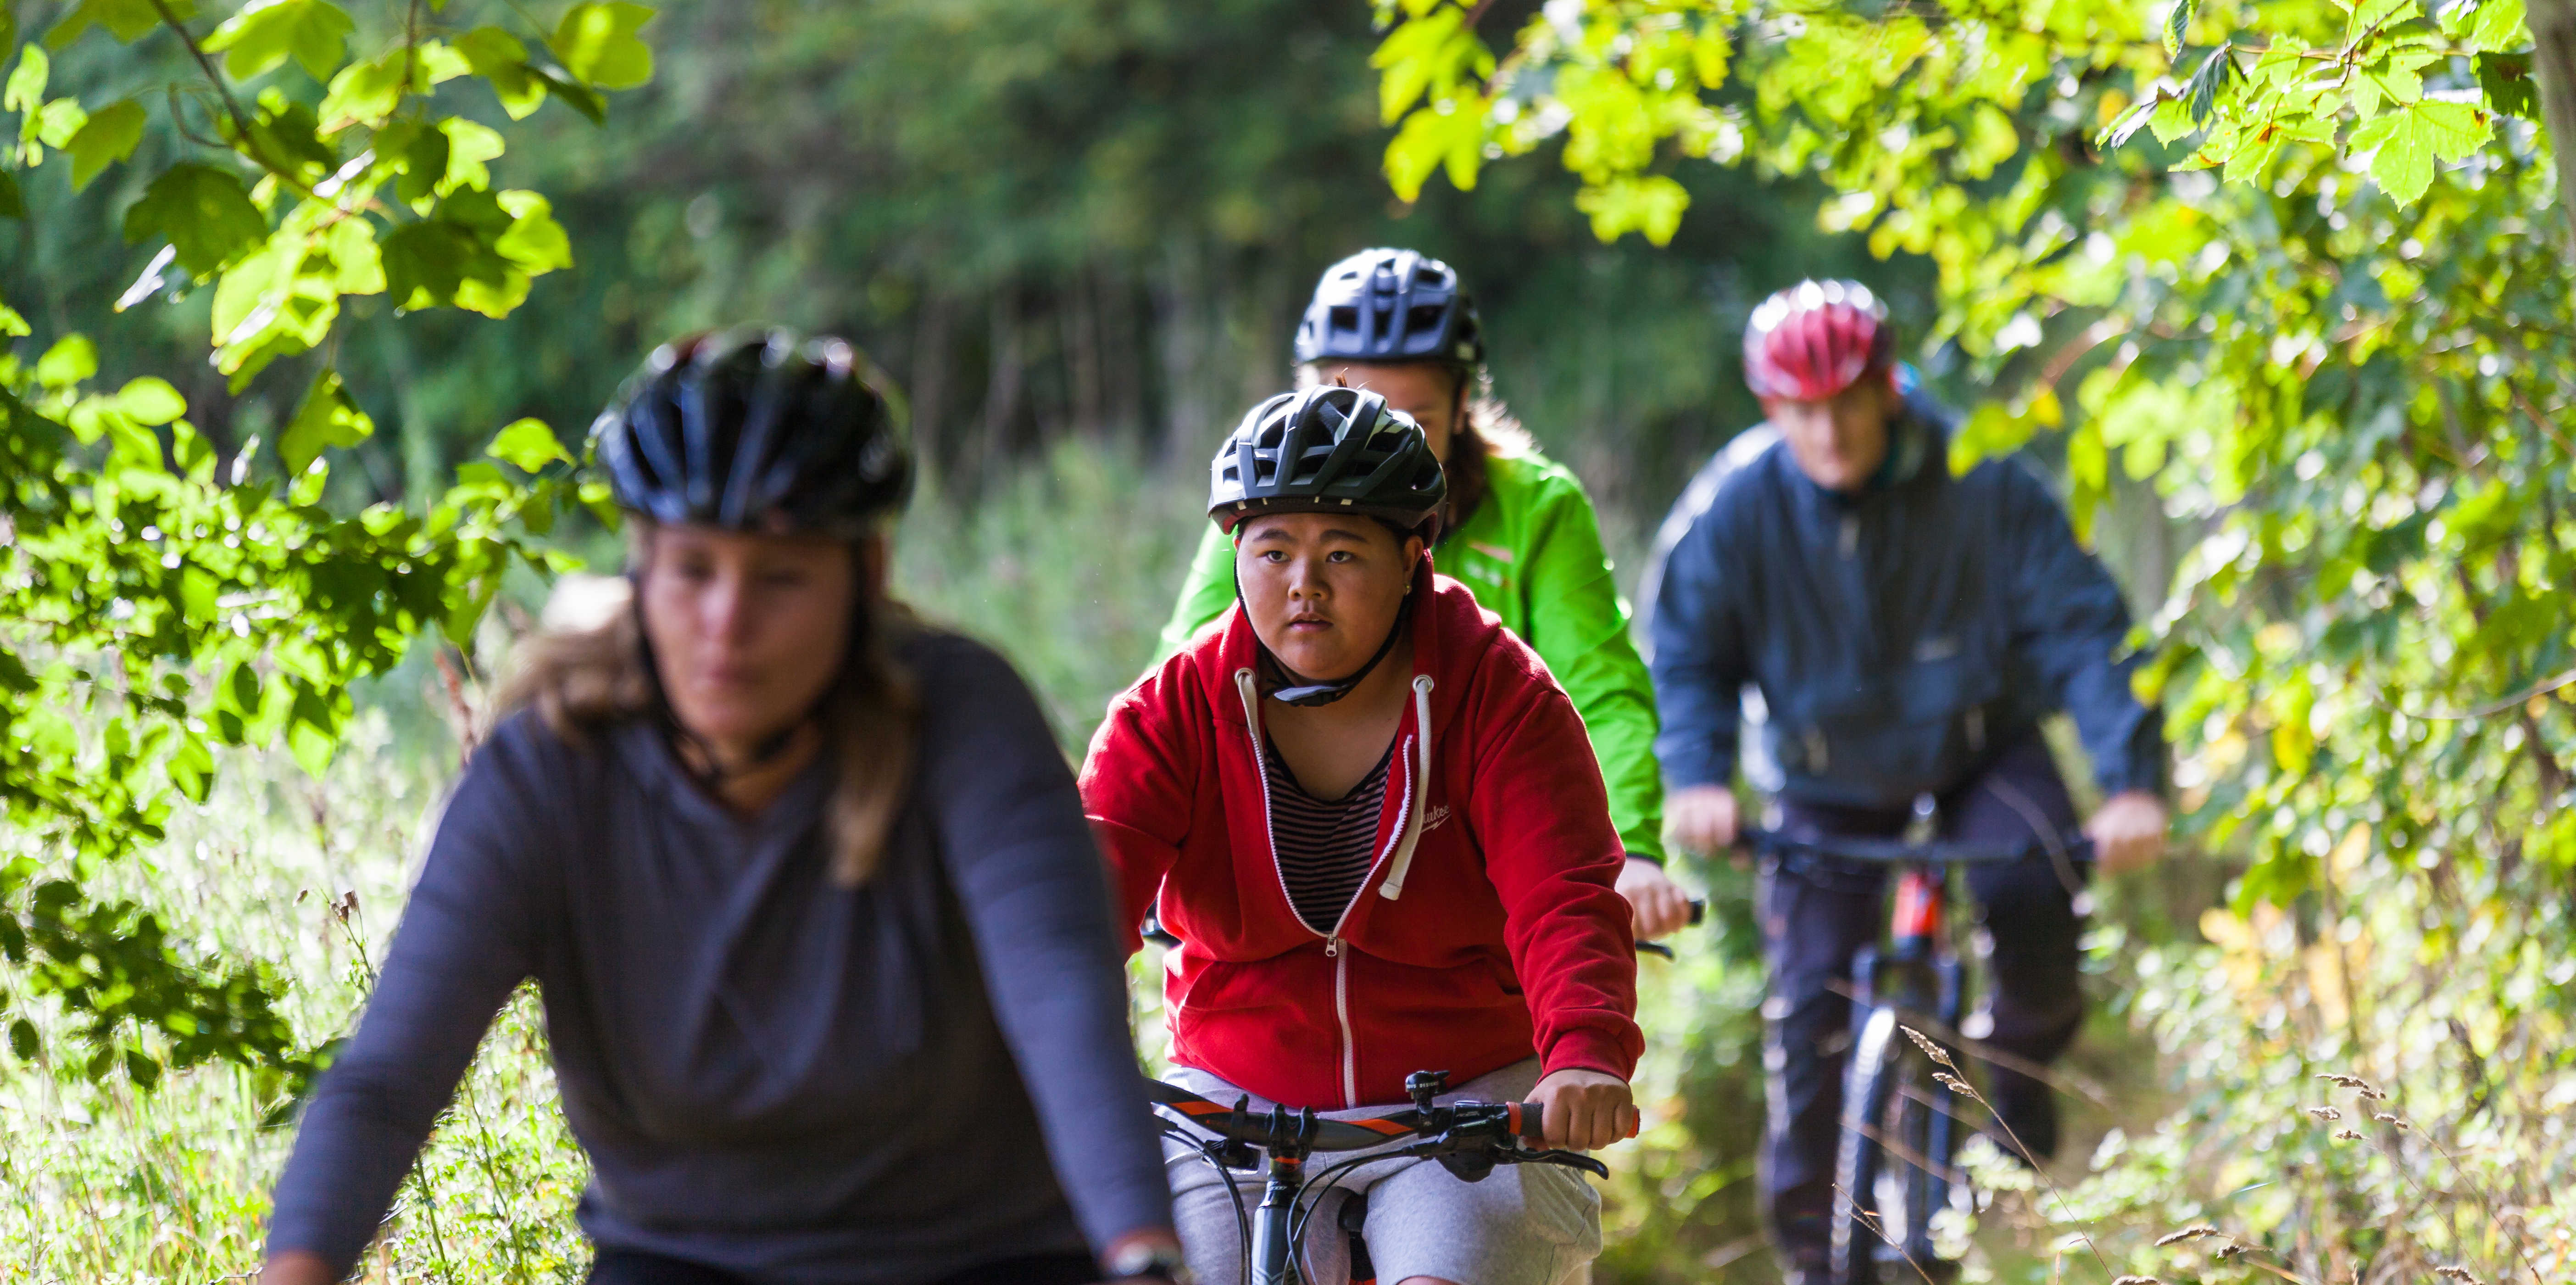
<point x="1700" y="665"/>
<point x="467" y="939"/>
<point x="2070" y="622"/>
<point x="1021" y="856"/>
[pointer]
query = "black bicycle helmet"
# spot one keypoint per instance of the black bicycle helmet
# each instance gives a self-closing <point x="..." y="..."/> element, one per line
<point x="1328" y="450"/>
<point x="1390" y="305"/>
<point x="756" y="430"/>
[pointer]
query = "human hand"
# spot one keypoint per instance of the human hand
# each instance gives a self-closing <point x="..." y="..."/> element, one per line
<point x="1585" y="1110"/>
<point x="297" y="1267"/>
<point x="1657" y="904"/>
<point x="1701" y="818"/>
<point x="1153" y="1254"/>
<point x="2128" y="831"/>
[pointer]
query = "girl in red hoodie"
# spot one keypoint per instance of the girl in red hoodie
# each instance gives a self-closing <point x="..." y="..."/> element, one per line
<point x="1375" y="824"/>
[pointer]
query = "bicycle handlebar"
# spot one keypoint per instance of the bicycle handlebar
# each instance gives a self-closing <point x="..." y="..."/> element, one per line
<point x="1303" y="1130"/>
<point x="1899" y="852"/>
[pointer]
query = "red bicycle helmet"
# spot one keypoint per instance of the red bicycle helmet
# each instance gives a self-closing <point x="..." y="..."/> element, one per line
<point x="1815" y="339"/>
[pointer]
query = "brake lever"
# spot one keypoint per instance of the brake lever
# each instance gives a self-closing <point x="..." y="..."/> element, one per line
<point x="1570" y="1159"/>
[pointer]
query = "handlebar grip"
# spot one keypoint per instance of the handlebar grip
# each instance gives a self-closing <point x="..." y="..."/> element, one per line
<point x="1529" y="1123"/>
<point x="1699" y="911"/>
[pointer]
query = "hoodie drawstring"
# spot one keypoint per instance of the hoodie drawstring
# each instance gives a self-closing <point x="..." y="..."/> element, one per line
<point x="1393" y="887"/>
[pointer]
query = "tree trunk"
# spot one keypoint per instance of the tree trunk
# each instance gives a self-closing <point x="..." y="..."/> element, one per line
<point x="2553" y="64"/>
<point x="1181" y="313"/>
<point x="1001" y="386"/>
<point x="930" y="357"/>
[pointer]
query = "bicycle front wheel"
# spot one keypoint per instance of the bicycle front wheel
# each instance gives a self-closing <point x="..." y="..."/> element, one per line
<point x="1892" y="1166"/>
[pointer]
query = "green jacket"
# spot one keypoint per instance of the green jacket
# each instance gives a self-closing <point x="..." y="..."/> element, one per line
<point x="1531" y="553"/>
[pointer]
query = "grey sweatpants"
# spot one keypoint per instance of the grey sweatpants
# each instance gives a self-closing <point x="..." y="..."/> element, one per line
<point x="1523" y="1225"/>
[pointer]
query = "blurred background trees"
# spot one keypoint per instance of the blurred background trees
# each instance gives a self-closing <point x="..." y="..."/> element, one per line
<point x="2316" y="402"/>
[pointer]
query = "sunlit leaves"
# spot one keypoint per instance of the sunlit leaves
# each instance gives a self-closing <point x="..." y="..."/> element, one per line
<point x="2405" y="142"/>
<point x="598" y="45"/>
<point x="1649" y="204"/>
<point x="181" y="605"/>
<point x="267" y="32"/>
<point x="1432" y="54"/>
<point x="529" y="445"/>
<point x="203" y="212"/>
<point x="326" y="419"/>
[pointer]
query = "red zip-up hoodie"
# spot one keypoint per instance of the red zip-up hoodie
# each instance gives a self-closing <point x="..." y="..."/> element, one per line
<point x="1489" y="927"/>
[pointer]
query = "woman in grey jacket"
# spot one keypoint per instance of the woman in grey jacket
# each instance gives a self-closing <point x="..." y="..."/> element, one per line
<point x="821" y="935"/>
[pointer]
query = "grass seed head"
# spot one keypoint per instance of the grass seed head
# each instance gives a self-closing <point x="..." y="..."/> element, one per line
<point x="2325" y="1113"/>
<point x="2187" y="1233"/>
<point x="2347" y="1135"/>
<point x="2137" y="1280"/>
<point x="2385" y="1118"/>
<point x="1930" y="1049"/>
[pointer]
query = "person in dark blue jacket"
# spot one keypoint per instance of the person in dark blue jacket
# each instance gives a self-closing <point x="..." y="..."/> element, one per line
<point x="1905" y="632"/>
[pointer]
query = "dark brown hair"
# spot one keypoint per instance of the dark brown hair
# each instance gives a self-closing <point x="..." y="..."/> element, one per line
<point x="587" y="679"/>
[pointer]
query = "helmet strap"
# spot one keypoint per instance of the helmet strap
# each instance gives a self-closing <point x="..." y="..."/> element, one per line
<point x="1306" y="693"/>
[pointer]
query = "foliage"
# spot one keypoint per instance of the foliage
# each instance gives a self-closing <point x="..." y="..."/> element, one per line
<point x="164" y="604"/>
<point x="2291" y="266"/>
<point x="306" y="874"/>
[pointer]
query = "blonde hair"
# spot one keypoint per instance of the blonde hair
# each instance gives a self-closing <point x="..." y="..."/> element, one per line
<point x="587" y="675"/>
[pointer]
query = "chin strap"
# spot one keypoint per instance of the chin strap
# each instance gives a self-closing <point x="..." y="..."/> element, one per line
<point x="1299" y="690"/>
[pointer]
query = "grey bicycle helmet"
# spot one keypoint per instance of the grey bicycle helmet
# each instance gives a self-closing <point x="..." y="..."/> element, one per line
<point x="1390" y="305"/>
<point x="1328" y="450"/>
<point x="756" y="430"/>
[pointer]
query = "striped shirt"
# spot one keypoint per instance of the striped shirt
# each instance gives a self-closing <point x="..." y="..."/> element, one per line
<point x="1325" y="846"/>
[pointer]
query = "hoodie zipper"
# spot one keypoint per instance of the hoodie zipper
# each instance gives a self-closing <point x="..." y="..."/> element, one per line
<point x="1406" y="834"/>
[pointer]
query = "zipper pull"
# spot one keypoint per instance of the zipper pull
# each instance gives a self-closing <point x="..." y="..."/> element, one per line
<point x="1851" y="535"/>
<point x="1332" y="947"/>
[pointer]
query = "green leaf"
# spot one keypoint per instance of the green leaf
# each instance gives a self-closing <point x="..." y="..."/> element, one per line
<point x="204" y="213"/>
<point x="529" y="444"/>
<point x="26" y="89"/>
<point x="327" y="418"/>
<point x="2506" y="78"/>
<point x="497" y="56"/>
<point x="572" y="93"/>
<point x="1650" y="204"/>
<point x="150" y="400"/>
<point x="2176" y="21"/>
<point x="2406" y="142"/>
<point x="2497" y="25"/>
<point x="1449" y="136"/>
<point x="73" y="358"/>
<point x="109" y="137"/>
<point x="23" y="1040"/>
<point x="424" y="166"/>
<point x="127" y="20"/>
<point x="268" y="32"/>
<point x="597" y="44"/>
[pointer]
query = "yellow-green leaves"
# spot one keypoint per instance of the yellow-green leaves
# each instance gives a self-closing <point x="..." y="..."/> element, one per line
<point x="204" y="212"/>
<point x="1433" y="53"/>
<point x="597" y="44"/>
<point x="268" y="32"/>
<point x="2405" y="142"/>
<point x="1648" y="204"/>
<point x="529" y="445"/>
<point x="499" y="57"/>
<point x="103" y="140"/>
<point x="327" y="418"/>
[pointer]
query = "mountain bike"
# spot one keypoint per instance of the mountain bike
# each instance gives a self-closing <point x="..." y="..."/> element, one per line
<point x="1893" y="1163"/>
<point x="1468" y="1139"/>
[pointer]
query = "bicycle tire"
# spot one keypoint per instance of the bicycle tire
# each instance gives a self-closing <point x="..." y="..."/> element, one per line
<point x="1891" y="1176"/>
